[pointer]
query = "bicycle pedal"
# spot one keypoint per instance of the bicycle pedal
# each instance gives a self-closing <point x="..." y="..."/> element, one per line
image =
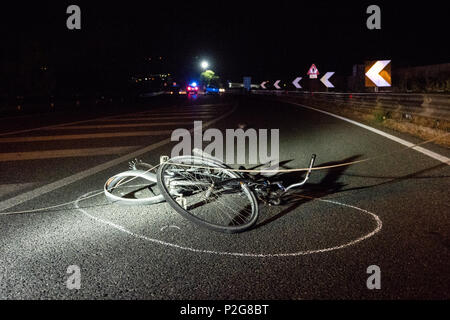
<point x="163" y="159"/>
<point x="182" y="202"/>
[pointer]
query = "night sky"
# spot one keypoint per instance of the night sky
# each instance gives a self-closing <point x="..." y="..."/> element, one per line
<point x="257" y="38"/>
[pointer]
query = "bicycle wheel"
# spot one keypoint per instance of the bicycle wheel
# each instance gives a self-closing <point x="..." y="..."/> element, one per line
<point x="143" y="182"/>
<point x="204" y="196"/>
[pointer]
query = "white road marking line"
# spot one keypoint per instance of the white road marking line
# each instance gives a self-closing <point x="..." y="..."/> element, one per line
<point x="55" y="126"/>
<point x="184" y="110"/>
<point x="6" y="189"/>
<point x="64" y="153"/>
<point x="127" y="125"/>
<point x="86" y="136"/>
<point x="424" y="151"/>
<point x="24" y="197"/>
<point x="108" y="117"/>
<point x="176" y="114"/>
<point x="158" y="118"/>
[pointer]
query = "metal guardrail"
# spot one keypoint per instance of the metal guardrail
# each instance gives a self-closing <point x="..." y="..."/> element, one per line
<point x="434" y="106"/>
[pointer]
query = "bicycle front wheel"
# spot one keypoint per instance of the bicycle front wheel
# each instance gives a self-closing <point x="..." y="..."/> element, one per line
<point x="207" y="193"/>
<point x="115" y="192"/>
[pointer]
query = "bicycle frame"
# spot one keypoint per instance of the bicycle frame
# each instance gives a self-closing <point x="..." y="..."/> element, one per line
<point x="246" y="179"/>
<point x="201" y="153"/>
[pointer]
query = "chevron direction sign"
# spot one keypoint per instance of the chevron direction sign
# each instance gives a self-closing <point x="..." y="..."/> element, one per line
<point x="378" y="73"/>
<point x="296" y="82"/>
<point x="277" y="85"/>
<point x="325" y="80"/>
<point x="263" y="84"/>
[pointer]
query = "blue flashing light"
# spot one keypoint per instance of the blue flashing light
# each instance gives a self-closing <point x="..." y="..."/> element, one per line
<point x="212" y="89"/>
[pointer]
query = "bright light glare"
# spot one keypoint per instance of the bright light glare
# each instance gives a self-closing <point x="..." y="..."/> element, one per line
<point x="204" y="64"/>
<point x="194" y="84"/>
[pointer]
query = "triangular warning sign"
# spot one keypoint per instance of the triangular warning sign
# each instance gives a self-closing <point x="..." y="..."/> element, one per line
<point x="313" y="70"/>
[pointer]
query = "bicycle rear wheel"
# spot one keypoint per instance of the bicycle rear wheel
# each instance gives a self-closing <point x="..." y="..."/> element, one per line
<point x="198" y="189"/>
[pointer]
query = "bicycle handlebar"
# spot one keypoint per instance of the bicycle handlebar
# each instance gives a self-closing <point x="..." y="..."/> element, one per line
<point x="295" y="185"/>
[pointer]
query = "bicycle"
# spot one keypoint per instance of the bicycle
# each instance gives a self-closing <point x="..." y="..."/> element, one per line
<point x="202" y="189"/>
<point x="207" y="192"/>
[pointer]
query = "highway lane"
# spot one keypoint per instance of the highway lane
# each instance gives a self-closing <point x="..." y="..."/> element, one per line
<point x="391" y="212"/>
<point x="59" y="150"/>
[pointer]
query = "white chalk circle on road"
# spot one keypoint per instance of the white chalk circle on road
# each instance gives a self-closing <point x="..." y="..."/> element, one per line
<point x="116" y="226"/>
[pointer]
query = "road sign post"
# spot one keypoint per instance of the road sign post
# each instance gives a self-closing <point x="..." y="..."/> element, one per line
<point x="247" y="83"/>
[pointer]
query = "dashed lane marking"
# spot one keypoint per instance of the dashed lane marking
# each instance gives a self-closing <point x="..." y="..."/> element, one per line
<point x="127" y="125"/>
<point x="24" y="197"/>
<point x="64" y="153"/>
<point x="86" y="136"/>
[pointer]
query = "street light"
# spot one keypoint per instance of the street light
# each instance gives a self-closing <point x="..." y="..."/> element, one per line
<point x="204" y="65"/>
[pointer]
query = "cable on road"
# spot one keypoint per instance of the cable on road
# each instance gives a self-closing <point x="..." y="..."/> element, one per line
<point x="49" y="208"/>
<point x="120" y="183"/>
<point x="345" y="164"/>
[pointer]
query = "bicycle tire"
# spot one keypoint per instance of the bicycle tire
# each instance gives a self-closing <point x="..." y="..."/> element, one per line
<point x="188" y="214"/>
<point x="114" y="180"/>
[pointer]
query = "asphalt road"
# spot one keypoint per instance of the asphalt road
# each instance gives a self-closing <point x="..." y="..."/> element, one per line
<point x="392" y="212"/>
